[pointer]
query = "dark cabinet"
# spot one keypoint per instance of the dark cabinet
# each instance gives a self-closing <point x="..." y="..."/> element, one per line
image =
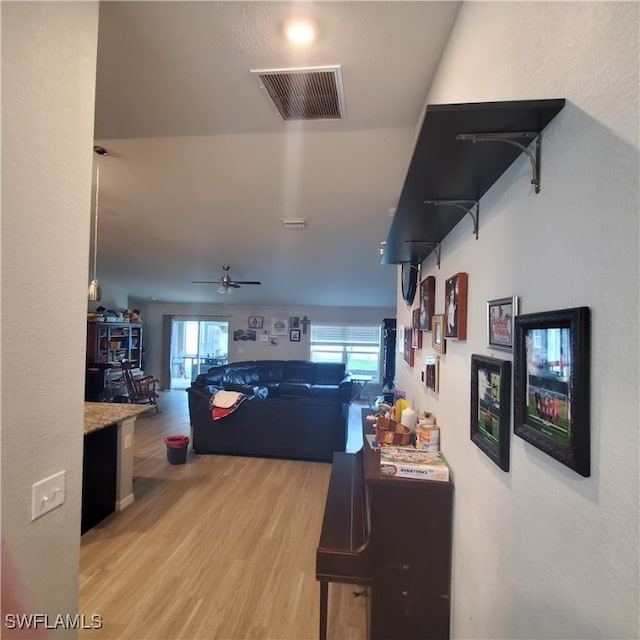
<point x="99" y="476"/>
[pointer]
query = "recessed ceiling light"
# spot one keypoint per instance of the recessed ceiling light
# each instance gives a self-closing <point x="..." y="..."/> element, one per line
<point x="300" y="32"/>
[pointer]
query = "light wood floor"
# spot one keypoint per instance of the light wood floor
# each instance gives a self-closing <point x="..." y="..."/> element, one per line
<point x="222" y="547"/>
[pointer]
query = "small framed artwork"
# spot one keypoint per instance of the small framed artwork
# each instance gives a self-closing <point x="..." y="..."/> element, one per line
<point x="256" y="322"/>
<point x="500" y="318"/>
<point x="294" y="322"/>
<point x="416" y="332"/>
<point x="400" y="338"/>
<point x="455" y="302"/>
<point x="408" y="346"/>
<point x="552" y="361"/>
<point x="438" y="343"/>
<point x="432" y="373"/>
<point x="491" y="407"/>
<point x="278" y="327"/>
<point x="427" y="302"/>
<point x="294" y="335"/>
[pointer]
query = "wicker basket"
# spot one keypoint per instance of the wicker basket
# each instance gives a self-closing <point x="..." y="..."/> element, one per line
<point x="391" y="432"/>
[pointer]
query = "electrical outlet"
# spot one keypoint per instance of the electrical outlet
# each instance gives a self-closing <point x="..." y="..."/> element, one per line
<point x="47" y="494"/>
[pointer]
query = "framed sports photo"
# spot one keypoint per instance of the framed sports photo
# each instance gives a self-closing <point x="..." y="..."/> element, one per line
<point x="491" y="407"/>
<point x="552" y="360"/>
<point x="500" y="322"/>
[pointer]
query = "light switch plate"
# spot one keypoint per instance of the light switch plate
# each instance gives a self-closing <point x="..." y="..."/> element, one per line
<point x="47" y="494"/>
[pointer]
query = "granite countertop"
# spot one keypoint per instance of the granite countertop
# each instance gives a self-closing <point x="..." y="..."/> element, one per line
<point x="98" y="415"/>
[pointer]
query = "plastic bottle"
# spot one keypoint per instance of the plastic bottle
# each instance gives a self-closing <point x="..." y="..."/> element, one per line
<point x="408" y="418"/>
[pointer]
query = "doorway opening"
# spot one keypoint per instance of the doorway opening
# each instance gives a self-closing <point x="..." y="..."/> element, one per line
<point x="196" y="346"/>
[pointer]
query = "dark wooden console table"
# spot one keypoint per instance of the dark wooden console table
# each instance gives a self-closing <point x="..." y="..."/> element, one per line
<point x="393" y="536"/>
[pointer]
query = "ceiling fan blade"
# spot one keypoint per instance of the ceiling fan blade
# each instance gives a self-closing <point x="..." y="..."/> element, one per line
<point x="247" y="282"/>
<point x="235" y="285"/>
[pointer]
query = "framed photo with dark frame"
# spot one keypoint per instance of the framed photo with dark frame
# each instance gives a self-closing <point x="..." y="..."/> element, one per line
<point x="408" y="346"/>
<point x="416" y="332"/>
<point x="438" y="343"/>
<point x="432" y="373"/>
<point x="427" y="302"/>
<point x="491" y="407"/>
<point x="500" y="317"/>
<point x="455" y="305"/>
<point x="294" y="335"/>
<point x="552" y="360"/>
<point x="256" y="322"/>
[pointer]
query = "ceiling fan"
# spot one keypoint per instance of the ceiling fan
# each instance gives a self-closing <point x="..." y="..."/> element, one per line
<point x="227" y="285"/>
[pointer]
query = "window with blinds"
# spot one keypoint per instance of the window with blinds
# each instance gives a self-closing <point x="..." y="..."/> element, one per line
<point x="358" y="346"/>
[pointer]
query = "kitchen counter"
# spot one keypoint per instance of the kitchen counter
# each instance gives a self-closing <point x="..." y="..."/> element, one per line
<point x="98" y="415"/>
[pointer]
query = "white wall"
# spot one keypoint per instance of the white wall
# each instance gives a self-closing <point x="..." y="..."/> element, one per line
<point x="48" y="87"/>
<point x="541" y="552"/>
<point x="238" y="315"/>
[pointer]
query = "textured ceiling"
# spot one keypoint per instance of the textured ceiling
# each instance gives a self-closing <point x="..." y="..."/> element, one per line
<point x="201" y="169"/>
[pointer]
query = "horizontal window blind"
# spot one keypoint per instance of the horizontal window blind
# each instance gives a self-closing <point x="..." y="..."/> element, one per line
<point x="345" y="334"/>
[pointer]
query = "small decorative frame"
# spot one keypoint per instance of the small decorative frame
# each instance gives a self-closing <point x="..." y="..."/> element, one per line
<point x="294" y="335"/>
<point x="432" y="373"/>
<point x="455" y="302"/>
<point x="416" y="332"/>
<point x="278" y="327"/>
<point x="256" y="322"/>
<point x="438" y="343"/>
<point x="294" y="322"/>
<point x="491" y="407"/>
<point x="500" y="322"/>
<point x="408" y="348"/>
<point x="427" y="302"/>
<point x="552" y="361"/>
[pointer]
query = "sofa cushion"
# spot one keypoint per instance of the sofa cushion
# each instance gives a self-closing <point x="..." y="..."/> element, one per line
<point x="242" y="373"/>
<point x="296" y="389"/>
<point x="325" y="392"/>
<point x="329" y="372"/>
<point x="298" y="371"/>
<point x="270" y="371"/>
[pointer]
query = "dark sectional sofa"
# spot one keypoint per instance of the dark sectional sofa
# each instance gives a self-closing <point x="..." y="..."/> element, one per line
<point x="293" y="409"/>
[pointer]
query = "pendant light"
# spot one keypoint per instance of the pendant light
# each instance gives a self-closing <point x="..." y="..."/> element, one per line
<point x="94" y="293"/>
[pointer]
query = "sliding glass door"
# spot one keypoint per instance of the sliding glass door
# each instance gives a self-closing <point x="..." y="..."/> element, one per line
<point x="196" y="345"/>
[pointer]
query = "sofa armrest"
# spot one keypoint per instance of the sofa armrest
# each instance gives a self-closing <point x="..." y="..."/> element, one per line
<point x="346" y="388"/>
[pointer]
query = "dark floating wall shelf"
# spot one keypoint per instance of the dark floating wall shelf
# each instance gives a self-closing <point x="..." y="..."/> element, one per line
<point x="461" y="151"/>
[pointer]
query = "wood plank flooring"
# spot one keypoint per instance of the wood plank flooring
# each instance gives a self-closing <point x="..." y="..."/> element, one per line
<point x="222" y="547"/>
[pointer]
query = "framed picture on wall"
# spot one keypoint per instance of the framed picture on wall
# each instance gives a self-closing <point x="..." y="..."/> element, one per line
<point x="432" y="373"/>
<point x="552" y="359"/>
<point x="416" y="332"/>
<point x="294" y="322"/>
<point x="455" y="304"/>
<point x="500" y="319"/>
<point x="256" y="322"/>
<point x="408" y="346"/>
<point x="427" y="302"/>
<point x="294" y="335"/>
<point x="491" y="407"/>
<point x="438" y="343"/>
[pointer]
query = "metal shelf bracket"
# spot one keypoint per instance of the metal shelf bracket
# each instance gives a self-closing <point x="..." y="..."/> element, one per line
<point x="464" y="205"/>
<point x="436" y="247"/>
<point x="513" y="139"/>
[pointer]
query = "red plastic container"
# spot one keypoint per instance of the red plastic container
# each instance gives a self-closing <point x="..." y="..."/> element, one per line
<point x="176" y="449"/>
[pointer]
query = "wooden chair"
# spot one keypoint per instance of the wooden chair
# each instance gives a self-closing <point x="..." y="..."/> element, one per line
<point x="140" y="389"/>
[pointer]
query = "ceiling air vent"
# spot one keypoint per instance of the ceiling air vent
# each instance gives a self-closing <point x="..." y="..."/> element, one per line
<point x="308" y="93"/>
<point x="294" y="223"/>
